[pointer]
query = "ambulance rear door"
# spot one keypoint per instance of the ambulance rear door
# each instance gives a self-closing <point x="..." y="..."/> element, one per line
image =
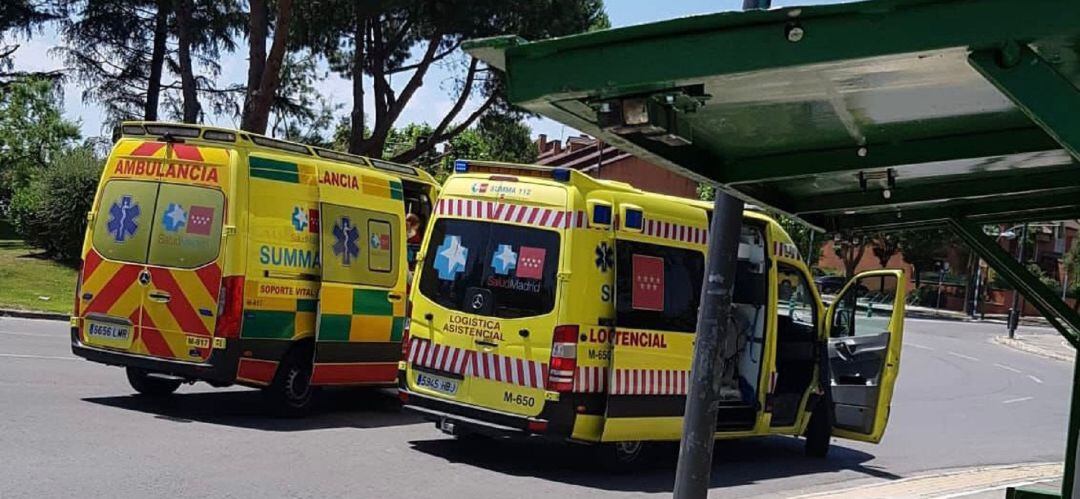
<point x="361" y="314"/>
<point x="659" y="265"/>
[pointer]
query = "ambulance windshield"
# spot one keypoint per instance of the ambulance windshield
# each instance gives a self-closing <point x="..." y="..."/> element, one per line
<point x="491" y="269"/>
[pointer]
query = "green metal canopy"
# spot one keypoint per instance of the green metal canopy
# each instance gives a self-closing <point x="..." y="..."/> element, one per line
<point x="876" y="114"/>
<point x="862" y="116"/>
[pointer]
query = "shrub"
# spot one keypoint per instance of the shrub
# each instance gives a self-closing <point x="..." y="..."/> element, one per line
<point x="50" y="212"/>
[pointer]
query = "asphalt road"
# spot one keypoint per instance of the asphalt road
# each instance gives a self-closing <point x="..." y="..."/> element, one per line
<point x="72" y="428"/>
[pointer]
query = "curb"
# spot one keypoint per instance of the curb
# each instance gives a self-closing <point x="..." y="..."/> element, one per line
<point x="31" y="314"/>
<point x="1034" y="349"/>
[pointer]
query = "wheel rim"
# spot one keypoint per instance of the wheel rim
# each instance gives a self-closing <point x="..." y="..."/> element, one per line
<point x="297" y="387"/>
<point x="628" y="451"/>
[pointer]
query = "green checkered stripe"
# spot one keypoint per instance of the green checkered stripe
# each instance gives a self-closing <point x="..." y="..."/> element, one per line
<point x="369" y="315"/>
<point x="276" y="324"/>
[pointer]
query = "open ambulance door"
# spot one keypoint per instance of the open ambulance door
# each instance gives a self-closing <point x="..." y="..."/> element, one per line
<point x="866" y="326"/>
<point x="362" y="294"/>
<point x="657" y="290"/>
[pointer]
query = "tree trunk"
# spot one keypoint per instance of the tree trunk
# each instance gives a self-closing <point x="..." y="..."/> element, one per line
<point x="263" y="98"/>
<point x="187" y="74"/>
<point x="157" y="60"/>
<point x="258" y="25"/>
<point x="356" y="129"/>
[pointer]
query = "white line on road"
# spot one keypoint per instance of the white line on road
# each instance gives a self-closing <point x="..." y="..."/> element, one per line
<point x="1008" y="368"/>
<point x="1021" y="399"/>
<point x="962" y="356"/>
<point x="48" y="357"/>
<point x="1033" y="378"/>
<point x="28" y="334"/>
<point x="920" y="347"/>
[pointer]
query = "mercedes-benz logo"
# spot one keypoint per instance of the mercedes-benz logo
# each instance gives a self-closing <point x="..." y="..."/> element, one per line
<point x="144" y="277"/>
<point x="477" y="302"/>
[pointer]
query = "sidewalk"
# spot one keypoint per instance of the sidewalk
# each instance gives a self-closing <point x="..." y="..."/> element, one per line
<point x="1052" y="346"/>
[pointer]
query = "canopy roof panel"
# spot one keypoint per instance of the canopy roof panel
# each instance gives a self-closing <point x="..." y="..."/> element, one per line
<point x="882" y="113"/>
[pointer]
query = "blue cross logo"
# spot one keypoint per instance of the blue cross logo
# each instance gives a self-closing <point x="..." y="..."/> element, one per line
<point x="299" y="219"/>
<point x="122" y="218"/>
<point x="504" y="260"/>
<point x="346" y="237"/>
<point x="450" y="258"/>
<point x="174" y="217"/>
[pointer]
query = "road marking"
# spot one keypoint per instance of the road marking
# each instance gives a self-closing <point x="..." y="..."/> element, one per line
<point x="962" y="356"/>
<point x="952" y="483"/>
<point x="1021" y="399"/>
<point x="48" y="357"/>
<point x="12" y="333"/>
<point x="1033" y="378"/>
<point x="920" y="347"/>
<point x="1008" y="368"/>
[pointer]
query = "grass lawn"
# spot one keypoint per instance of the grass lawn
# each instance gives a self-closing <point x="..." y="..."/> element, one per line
<point x="31" y="282"/>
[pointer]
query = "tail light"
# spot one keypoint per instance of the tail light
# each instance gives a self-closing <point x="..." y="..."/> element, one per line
<point x="563" y="359"/>
<point x="405" y="330"/>
<point x="230" y="307"/>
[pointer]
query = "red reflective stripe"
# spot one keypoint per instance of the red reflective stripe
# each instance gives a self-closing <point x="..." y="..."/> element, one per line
<point x="210" y="276"/>
<point x="179" y="306"/>
<point x="112" y="290"/>
<point x="90" y="264"/>
<point x="558" y="221"/>
<point x="187" y="152"/>
<point x="257" y="370"/>
<point x="147" y="149"/>
<point x="348" y="374"/>
<point x="151" y="337"/>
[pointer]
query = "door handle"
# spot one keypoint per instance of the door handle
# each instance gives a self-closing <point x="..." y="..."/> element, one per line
<point x="159" y="296"/>
<point x="394" y="297"/>
<point x="486" y="343"/>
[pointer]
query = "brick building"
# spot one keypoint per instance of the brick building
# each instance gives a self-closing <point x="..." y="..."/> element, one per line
<point x="601" y="160"/>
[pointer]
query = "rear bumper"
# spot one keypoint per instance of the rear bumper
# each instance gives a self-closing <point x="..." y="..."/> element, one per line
<point x="453" y="417"/>
<point x="219" y="369"/>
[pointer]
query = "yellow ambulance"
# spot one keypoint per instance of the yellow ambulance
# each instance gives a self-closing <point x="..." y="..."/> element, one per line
<point x="551" y="304"/>
<point x="229" y="257"/>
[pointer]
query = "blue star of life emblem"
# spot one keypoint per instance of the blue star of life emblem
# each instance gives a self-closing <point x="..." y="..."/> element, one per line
<point x="450" y="258"/>
<point x="122" y="218"/>
<point x="504" y="260"/>
<point x="605" y="257"/>
<point x="299" y="219"/>
<point x="174" y="217"/>
<point x="346" y="237"/>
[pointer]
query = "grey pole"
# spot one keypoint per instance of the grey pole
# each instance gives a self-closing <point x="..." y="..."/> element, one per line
<point x="699" y="423"/>
<point x="1014" y="313"/>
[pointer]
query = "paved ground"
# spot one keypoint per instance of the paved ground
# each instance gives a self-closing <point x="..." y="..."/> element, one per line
<point x="69" y="427"/>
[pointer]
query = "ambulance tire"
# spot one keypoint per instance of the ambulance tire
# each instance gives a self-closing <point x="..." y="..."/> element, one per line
<point x="819" y="430"/>
<point x="291" y="395"/>
<point x="150" y="387"/>
<point x="622" y="457"/>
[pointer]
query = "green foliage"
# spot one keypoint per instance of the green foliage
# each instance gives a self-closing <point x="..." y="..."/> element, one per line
<point x="50" y="212"/>
<point x="922" y="248"/>
<point x="32" y="131"/>
<point x="507" y="138"/>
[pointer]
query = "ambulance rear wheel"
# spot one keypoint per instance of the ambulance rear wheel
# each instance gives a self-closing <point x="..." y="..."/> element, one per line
<point x="141" y="381"/>
<point x="819" y="431"/>
<point x="290" y="394"/>
<point x="622" y="457"/>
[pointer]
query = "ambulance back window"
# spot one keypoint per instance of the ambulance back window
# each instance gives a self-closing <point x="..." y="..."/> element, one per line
<point x="491" y="269"/>
<point x="157" y="223"/>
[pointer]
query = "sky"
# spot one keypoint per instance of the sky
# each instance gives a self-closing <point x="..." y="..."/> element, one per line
<point x="431" y="101"/>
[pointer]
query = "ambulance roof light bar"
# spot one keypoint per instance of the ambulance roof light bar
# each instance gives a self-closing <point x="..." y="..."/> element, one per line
<point x="499" y="168"/>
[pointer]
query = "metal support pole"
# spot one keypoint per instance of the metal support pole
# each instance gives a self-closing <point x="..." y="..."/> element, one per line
<point x="1014" y="314"/>
<point x="978" y="288"/>
<point x="699" y="422"/>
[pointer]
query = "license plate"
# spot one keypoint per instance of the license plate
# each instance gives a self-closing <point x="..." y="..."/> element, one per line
<point x="437" y="383"/>
<point x="109" y="334"/>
